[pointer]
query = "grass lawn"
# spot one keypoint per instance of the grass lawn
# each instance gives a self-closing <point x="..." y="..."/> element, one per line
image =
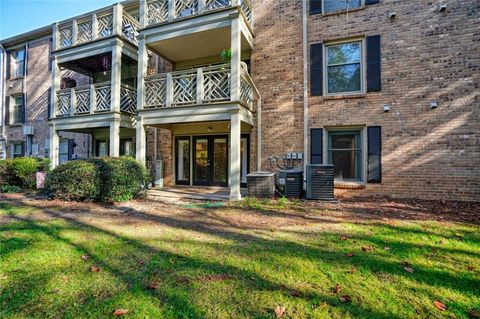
<point x="160" y="260"/>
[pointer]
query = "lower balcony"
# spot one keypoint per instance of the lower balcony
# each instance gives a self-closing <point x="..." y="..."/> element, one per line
<point x="92" y="99"/>
<point x="206" y="86"/>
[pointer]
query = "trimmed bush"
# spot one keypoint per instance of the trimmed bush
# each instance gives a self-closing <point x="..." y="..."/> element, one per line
<point x="106" y="179"/>
<point x="21" y="171"/>
<point x="74" y="181"/>
<point x="121" y="178"/>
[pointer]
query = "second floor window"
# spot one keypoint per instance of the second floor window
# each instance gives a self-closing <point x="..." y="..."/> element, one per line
<point x="344" y="71"/>
<point x="19" y="63"/>
<point x="341" y="5"/>
<point x="18" y="110"/>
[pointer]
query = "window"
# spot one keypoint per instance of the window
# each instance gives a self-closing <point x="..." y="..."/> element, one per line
<point x="18" y="110"/>
<point x="17" y="149"/>
<point x="341" y="5"/>
<point x="63" y="153"/>
<point x="19" y="63"/>
<point x="127" y="147"/>
<point x="345" y="153"/>
<point x="102" y="148"/>
<point x="344" y="71"/>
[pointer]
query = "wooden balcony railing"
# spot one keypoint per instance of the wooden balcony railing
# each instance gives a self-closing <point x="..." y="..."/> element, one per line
<point x="93" y="98"/>
<point x="96" y="26"/>
<point x="159" y="11"/>
<point x="196" y="86"/>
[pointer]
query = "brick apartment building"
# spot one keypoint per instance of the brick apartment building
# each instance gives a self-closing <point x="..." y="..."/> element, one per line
<point x="387" y="90"/>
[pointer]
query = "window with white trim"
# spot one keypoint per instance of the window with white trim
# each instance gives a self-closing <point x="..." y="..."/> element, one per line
<point x="19" y="63"/>
<point x="344" y="68"/>
<point x="330" y="6"/>
<point x="17" y="149"/>
<point x="345" y="152"/>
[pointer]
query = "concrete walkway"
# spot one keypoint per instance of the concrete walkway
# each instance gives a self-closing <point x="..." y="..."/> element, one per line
<point x="181" y="193"/>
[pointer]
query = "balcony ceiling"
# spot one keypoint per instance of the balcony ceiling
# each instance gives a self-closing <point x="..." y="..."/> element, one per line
<point x="95" y="64"/>
<point x="196" y="45"/>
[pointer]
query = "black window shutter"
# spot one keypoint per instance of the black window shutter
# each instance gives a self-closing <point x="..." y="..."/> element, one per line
<point x="71" y="145"/>
<point x="316" y="146"/>
<point x="315" y="6"/>
<point x="25" y="57"/>
<point x="23" y="149"/>
<point x="9" y="62"/>
<point x="374" y="154"/>
<point x="367" y="2"/>
<point x="24" y="109"/>
<point x="374" y="67"/>
<point x="7" y="110"/>
<point x="49" y="103"/>
<point x="50" y="46"/>
<point x="316" y="69"/>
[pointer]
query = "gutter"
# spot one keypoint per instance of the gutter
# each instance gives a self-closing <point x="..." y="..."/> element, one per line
<point x="306" y="155"/>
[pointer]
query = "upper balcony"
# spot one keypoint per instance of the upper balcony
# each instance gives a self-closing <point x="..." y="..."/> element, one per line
<point x="92" y="27"/>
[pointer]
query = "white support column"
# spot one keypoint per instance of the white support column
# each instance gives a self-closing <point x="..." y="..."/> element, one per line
<point x="201" y="6"/>
<point x="235" y="140"/>
<point x="94" y="26"/>
<point x="171" y="10"/>
<point x="141" y="72"/>
<point x="169" y="90"/>
<point x="259" y="134"/>
<point x="235" y="3"/>
<point x="236" y="47"/>
<point x="93" y="99"/>
<point x="116" y="77"/>
<point x="117" y="19"/>
<point x="115" y="138"/>
<point x="74" y="32"/>
<point x="141" y="141"/>
<point x="200" y="86"/>
<point x="143" y="13"/>
<point x="73" y="102"/>
<point x="54" y="88"/>
<point x="54" y="147"/>
<point x="54" y="36"/>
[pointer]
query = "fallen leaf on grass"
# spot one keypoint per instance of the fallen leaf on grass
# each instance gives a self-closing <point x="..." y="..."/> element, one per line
<point x="408" y="269"/>
<point x="386" y="248"/>
<point x="349" y="255"/>
<point x="367" y="248"/>
<point x="474" y="314"/>
<point x="120" y="312"/>
<point x="439" y="305"/>
<point x="153" y="285"/>
<point x="95" y="269"/>
<point x="337" y="289"/>
<point x="353" y="270"/>
<point x="406" y="264"/>
<point x="85" y="257"/>
<point x="343" y="237"/>
<point x="279" y="311"/>
<point x="470" y="268"/>
<point x="345" y="298"/>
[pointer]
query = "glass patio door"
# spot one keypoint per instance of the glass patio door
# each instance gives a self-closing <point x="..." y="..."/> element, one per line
<point x="210" y="160"/>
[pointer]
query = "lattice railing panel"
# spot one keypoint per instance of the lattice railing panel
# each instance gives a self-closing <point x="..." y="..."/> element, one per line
<point x="216" y="4"/>
<point x="130" y="28"/>
<point x="155" y="92"/>
<point x="103" y="97"/>
<point x="216" y="85"/>
<point x="82" y="100"/>
<point x="157" y="11"/>
<point x="246" y="91"/>
<point x="65" y="36"/>
<point x="84" y="31"/>
<point x="247" y="10"/>
<point x="184" y="88"/>
<point x="185" y="8"/>
<point x="128" y="99"/>
<point x="64" y="101"/>
<point x="105" y="25"/>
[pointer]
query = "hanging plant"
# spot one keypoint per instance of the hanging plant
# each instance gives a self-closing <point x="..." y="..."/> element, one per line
<point x="226" y="55"/>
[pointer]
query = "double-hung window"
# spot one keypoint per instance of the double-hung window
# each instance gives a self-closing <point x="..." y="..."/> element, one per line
<point x="17" y="150"/>
<point x="345" y="153"/>
<point x="330" y="6"/>
<point x="18" y="110"/>
<point x="344" y="68"/>
<point x="19" y="63"/>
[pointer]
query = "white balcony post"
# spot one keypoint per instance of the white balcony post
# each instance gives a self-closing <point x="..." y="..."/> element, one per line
<point x="200" y="92"/>
<point x="143" y="14"/>
<point x="93" y="99"/>
<point x="54" y="36"/>
<point x="73" y="102"/>
<point x="236" y="47"/>
<point x="116" y="77"/>
<point x="55" y="88"/>
<point x="201" y="6"/>
<point x="171" y="10"/>
<point x="235" y="156"/>
<point x="235" y="3"/>
<point x="141" y="72"/>
<point x="94" y="26"/>
<point x="169" y="90"/>
<point x="115" y="138"/>
<point x="117" y="19"/>
<point x="74" y="32"/>
<point x="141" y="141"/>
<point x="54" y="146"/>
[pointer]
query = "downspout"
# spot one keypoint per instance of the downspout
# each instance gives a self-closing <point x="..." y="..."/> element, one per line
<point x="2" y="95"/>
<point x="306" y="155"/>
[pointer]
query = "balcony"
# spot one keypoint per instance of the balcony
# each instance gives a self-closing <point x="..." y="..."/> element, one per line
<point x="196" y="87"/>
<point x="93" y="99"/>
<point x="162" y="11"/>
<point x="95" y="26"/>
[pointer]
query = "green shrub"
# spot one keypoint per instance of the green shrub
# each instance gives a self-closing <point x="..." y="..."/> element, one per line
<point x="121" y="178"/>
<point x="5" y="188"/>
<point x="74" y="181"/>
<point x="21" y="171"/>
